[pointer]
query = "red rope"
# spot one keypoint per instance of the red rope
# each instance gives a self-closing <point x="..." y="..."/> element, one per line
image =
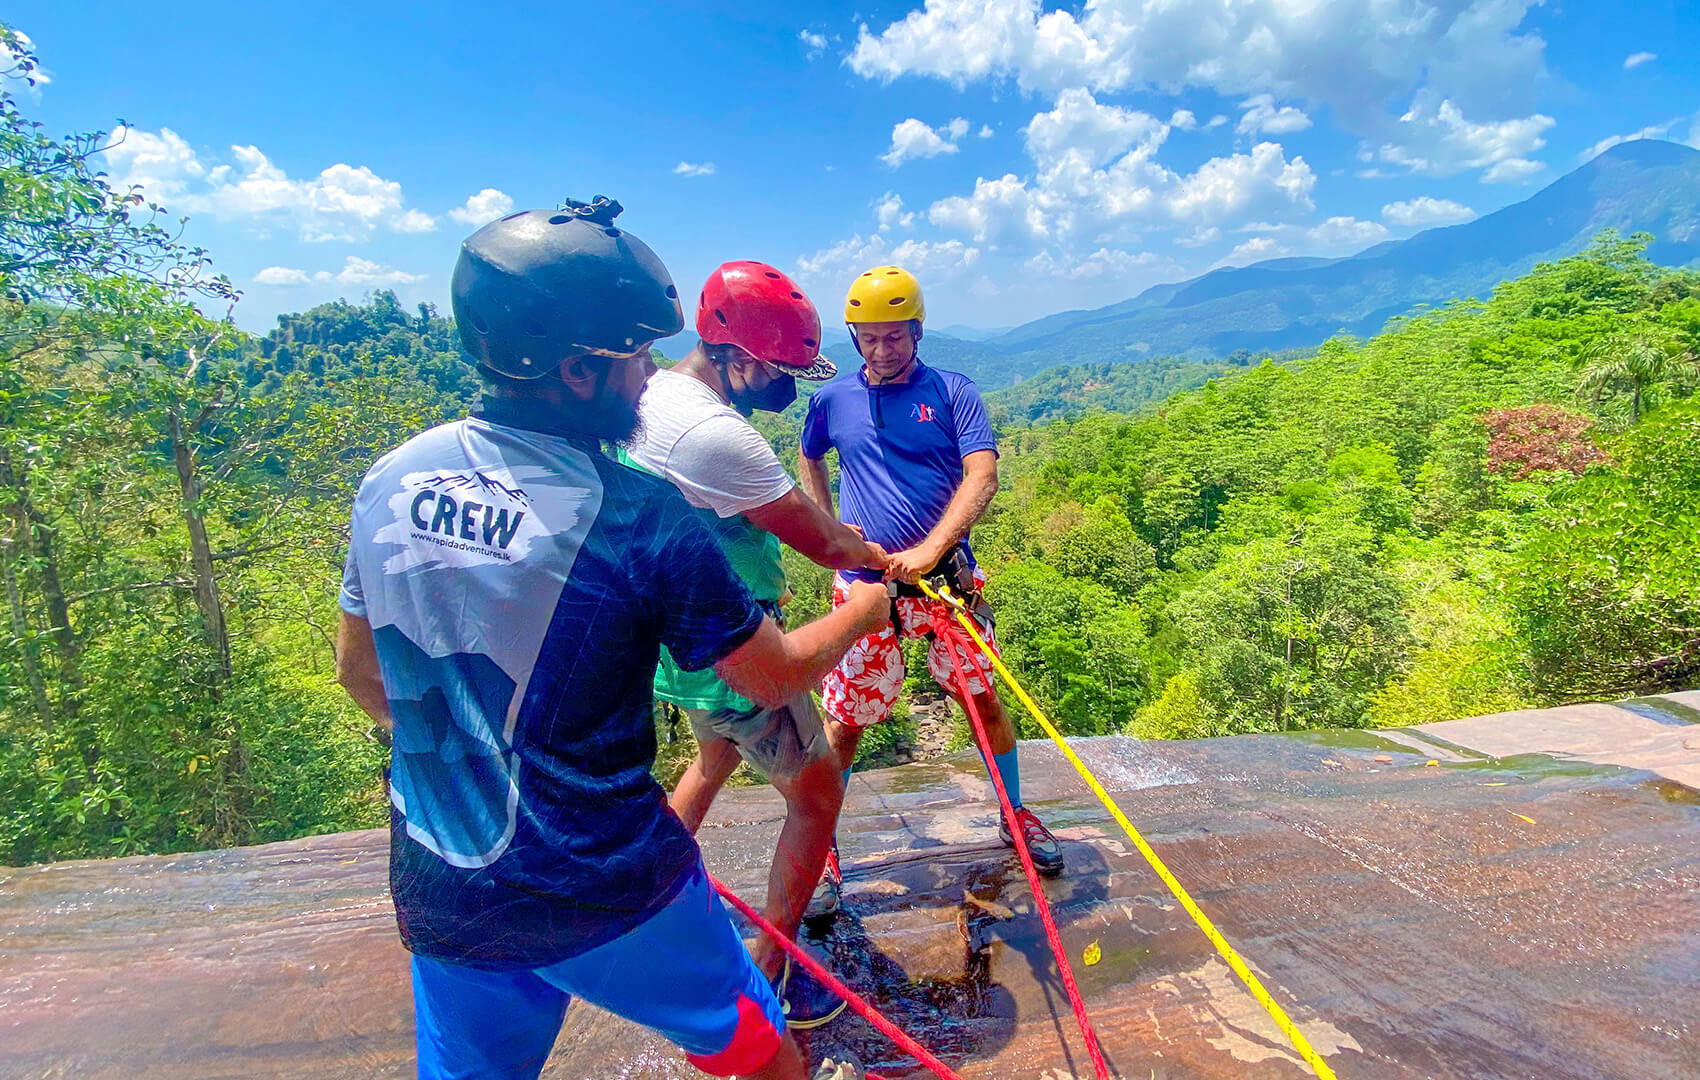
<point x="867" y="1012"/>
<point x="953" y="641"/>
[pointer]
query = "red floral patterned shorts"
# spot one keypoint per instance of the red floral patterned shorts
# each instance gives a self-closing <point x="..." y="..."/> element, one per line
<point x="864" y="687"/>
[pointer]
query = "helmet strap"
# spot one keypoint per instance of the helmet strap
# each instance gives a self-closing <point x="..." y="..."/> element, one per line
<point x="719" y="358"/>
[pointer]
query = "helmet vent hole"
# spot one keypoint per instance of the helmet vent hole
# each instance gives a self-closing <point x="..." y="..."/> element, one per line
<point x="478" y="323"/>
<point x="795" y="295"/>
<point x="867" y="273"/>
<point x="721" y="315"/>
<point x="855" y="303"/>
<point x="515" y="214"/>
<point x="560" y="219"/>
<point x="771" y="274"/>
<point x="892" y="272"/>
<point x="672" y="293"/>
<point x="897" y="300"/>
<point x="612" y="232"/>
<point x="811" y="343"/>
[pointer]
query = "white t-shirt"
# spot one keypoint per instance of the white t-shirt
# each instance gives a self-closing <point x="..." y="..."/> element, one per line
<point x="704" y="448"/>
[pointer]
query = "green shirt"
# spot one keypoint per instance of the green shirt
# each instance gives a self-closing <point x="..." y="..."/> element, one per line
<point x="723" y="466"/>
<point x="754" y="554"/>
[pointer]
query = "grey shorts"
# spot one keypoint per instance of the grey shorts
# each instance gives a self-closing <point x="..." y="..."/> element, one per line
<point x="778" y="743"/>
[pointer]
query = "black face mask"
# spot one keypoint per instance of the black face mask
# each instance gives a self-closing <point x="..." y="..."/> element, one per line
<point x="776" y="396"/>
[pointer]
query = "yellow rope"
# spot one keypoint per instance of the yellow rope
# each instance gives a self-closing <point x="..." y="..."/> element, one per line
<point x="1239" y="966"/>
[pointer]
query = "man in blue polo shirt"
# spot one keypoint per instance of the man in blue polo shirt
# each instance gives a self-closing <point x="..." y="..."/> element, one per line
<point x="506" y="596"/>
<point x="918" y="465"/>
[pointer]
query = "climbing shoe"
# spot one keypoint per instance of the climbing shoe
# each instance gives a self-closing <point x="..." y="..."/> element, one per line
<point x="828" y="891"/>
<point x="843" y="1068"/>
<point x="804" y="1001"/>
<point x="1046" y="851"/>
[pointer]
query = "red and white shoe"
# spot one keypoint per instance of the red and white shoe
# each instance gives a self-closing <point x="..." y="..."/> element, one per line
<point x="1045" y="849"/>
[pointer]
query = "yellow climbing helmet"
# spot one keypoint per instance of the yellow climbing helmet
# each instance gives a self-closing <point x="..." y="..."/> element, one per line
<point x="885" y="294"/>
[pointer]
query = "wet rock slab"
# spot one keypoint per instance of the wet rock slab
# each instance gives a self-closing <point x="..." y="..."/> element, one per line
<point x="1524" y="910"/>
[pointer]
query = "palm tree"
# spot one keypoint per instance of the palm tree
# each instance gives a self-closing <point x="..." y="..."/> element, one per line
<point x="1637" y="361"/>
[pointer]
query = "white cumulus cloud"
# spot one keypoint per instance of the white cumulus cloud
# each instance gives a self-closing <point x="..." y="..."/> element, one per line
<point x="355" y="271"/>
<point x="1070" y="199"/>
<point x="1261" y="117"/>
<point x="888" y="210"/>
<point x="1334" y="237"/>
<point x="343" y="202"/>
<point x="1263" y="180"/>
<point x="1350" y="55"/>
<point x="414" y="221"/>
<point x="281" y="275"/>
<point x="911" y="139"/>
<point x="1424" y="211"/>
<point x="1183" y="120"/>
<point x="1079" y="128"/>
<point x="813" y="43"/>
<point x="1346" y="234"/>
<point x="161" y="163"/>
<point x="1635" y="60"/>
<point x="1512" y="171"/>
<point x="1438" y="140"/>
<point x="358" y="271"/>
<point x="483" y="208"/>
<point x="930" y="259"/>
<point x="689" y="168"/>
<point x="1004" y="209"/>
<point x="1255" y="250"/>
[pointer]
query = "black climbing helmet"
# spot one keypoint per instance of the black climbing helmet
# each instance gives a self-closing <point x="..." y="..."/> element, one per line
<point x="539" y="286"/>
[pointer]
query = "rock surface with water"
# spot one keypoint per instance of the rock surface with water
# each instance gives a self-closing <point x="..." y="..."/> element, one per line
<point x="1502" y="897"/>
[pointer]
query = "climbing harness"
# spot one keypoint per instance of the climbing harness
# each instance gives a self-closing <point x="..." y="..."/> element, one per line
<point x="950" y="602"/>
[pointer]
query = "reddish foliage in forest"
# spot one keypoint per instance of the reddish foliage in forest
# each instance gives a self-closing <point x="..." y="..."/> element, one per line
<point x="1539" y="438"/>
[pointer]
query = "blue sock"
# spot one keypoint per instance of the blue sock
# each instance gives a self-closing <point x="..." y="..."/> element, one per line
<point x="1009" y="767"/>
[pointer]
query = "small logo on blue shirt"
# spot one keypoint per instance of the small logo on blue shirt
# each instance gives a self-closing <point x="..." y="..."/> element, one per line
<point x="923" y="414"/>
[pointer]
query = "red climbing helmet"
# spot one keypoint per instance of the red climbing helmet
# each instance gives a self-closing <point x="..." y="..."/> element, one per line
<point x="760" y="310"/>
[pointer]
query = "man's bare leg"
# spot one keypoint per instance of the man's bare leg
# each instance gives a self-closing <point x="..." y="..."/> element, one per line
<point x="844" y="739"/>
<point x="703" y="778"/>
<point x="812" y="800"/>
<point x="1000" y="731"/>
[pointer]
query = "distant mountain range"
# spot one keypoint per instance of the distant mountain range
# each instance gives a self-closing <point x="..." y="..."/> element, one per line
<point x="1645" y="185"/>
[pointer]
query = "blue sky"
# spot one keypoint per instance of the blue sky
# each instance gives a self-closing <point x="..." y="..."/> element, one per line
<point x="1022" y="158"/>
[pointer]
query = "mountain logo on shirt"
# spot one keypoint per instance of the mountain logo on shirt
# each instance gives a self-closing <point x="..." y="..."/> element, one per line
<point x="474" y="517"/>
<point x="923" y="414"/>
